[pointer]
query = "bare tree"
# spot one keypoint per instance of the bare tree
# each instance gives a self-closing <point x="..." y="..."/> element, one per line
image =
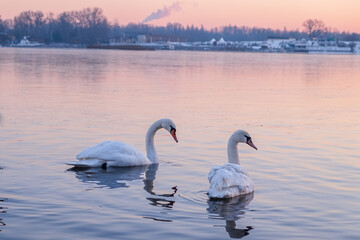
<point x="93" y="25"/>
<point x="314" y="27"/>
<point x="29" y="23"/>
<point x="65" y="28"/>
<point x="309" y="26"/>
<point x="3" y="28"/>
<point x="2" y="25"/>
<point x="320" y="28"/>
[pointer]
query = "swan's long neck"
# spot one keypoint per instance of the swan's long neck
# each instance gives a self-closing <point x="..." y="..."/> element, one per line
<point x="233" y="156"/>
<point x="149" y="141"/>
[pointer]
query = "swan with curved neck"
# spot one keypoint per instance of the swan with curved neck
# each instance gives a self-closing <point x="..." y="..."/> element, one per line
<point x="231" y="179"/>
<point x="149" y="139"/>
<point x="119" y="154"/>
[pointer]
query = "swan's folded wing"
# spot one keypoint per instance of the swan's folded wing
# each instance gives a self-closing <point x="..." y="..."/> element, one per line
<point x="114" y="152"/>
<point x="229" y="180"/>
<point x="229" y="173"/>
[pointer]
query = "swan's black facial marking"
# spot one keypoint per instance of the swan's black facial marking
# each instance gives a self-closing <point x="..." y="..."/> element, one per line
<point x="249" y="142"/>
<point x="104" y="165"/>
<point x="172" y="128"/>
<point x="173" y="133"/>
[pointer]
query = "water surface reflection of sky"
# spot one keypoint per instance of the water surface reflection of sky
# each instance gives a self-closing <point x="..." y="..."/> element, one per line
<point x="301" y="110"/>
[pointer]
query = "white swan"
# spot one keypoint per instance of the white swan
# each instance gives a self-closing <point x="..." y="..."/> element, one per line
<point x="119" y="154"/>
<point x="231" y="179"/>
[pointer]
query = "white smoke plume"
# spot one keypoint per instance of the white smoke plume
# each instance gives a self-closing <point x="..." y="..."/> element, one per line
<point x="161" y="13"/>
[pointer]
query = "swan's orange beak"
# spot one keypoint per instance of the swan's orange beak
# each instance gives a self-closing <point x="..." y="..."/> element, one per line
<point x="250" y="143"/>
<point x="173" y="134"/>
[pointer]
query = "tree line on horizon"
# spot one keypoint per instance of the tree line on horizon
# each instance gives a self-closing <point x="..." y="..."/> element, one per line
<point x="89" y="26"/>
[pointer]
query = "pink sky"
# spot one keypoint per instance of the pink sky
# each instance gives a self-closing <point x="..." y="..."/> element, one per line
<point x="342" y="15"/>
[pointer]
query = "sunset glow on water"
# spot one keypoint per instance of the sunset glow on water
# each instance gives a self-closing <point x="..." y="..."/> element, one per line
<point x="302" y="111"/>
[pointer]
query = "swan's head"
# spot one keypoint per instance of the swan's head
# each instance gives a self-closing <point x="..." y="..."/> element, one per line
<point x="244" y="137"/>
<point x="169" y="125"/>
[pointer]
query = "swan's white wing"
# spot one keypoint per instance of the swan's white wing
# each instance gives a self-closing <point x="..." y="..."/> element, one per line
<point x="228" y="181"/>
<point x="114" y="153"/>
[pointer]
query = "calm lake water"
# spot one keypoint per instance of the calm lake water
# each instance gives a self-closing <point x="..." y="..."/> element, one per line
<point x="302" y="111"/>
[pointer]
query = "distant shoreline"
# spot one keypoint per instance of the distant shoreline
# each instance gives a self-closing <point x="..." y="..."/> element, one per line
<point x="189" y="47"/>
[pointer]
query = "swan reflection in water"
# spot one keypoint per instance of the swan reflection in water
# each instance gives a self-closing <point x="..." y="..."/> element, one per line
<point x="117" y="177"/>
<point x="2" y="210"/>
<point x="231" y="209"/>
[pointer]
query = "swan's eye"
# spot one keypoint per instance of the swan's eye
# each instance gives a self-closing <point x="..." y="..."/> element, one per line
<point x="247" y="138"/>
<point x="172" y="128"/>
